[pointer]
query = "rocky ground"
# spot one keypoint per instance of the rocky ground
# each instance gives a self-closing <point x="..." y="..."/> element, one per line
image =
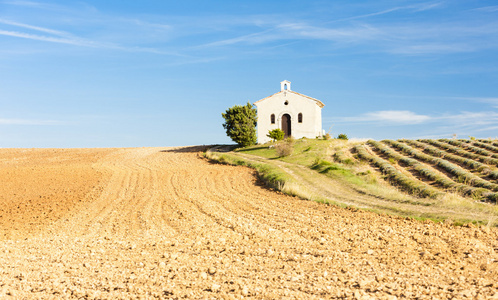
<point x="166" y="223"/>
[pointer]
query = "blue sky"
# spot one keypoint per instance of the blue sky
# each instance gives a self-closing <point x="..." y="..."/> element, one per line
<point x="160" y="73"/>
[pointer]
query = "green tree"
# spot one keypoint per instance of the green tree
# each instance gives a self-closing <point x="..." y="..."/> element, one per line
<point x="276" y="134"/>
<point x="240" y="124"/>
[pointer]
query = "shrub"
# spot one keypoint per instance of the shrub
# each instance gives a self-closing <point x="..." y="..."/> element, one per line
<point x="276" y="134"/>
<point x="327" y="136"/>
<point x="339" y="156"/>
<point x="284" y="148"/>
<point x="342" y="136"/>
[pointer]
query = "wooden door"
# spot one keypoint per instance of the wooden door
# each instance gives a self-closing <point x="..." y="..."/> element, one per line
<point x="286" y="125"/>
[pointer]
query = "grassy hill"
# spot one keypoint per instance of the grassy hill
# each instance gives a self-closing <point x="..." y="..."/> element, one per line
<point x="430" y="179"/>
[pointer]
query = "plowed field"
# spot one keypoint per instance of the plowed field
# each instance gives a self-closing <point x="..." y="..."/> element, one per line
<point x="167" y="223"/>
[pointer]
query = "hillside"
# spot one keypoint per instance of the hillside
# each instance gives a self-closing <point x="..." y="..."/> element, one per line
<point x="434" y="179"/>
<point x="166" y="223"/>
<point x="429" y="168"/>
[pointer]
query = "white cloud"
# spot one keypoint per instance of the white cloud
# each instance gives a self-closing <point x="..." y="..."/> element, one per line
<point x="62" y="37"/>
<point x="433" y="48"/>
<point x="156" y="34"/>
<point x="47" y="34"/>
<point x="471" y="118"/>
<point x="490" y="100"/>
<point x="431" y="126"/>
<point x="253" y="38"/>
<point x="488" y="8"/>
<point x="362" y="32"/>
<point x="466" y="123"/>
<point x="73" y="41"/>
<point x="28" y="122"/>
<point x="426" y="6"/>
<point x="398" y="116"/>
<point x="301" y="31"/>
<point x="416" y="8"/>
<point x="404" y="39"/>
<point x="25" y="3"/>
<point x="36" y="28"/>
<point x="371" y="14"/>
<point x="494" y="128"/>
<point x="464" y="118"/>
<point x="388" y="116"/>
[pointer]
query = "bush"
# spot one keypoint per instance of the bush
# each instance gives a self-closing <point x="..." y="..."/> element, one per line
<point x="276" y="134"/>
<point x="284" y="148"/>
<point x="342" y="136"/>
<point x="240" y="124"/>
<point x="327" y="136"/>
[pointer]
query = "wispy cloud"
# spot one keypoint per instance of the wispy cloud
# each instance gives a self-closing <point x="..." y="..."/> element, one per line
<point x="400" y="117"/>
<point x="415" y="8"/>
<point x="44" y="34"/>
<point x="440" y="38"/>
<point x="4" y="121"/>
<point x="150" y="35"/>
<point x="415" y="38"/>
<point x="253" y="38"/>
<point x="301" y="31"/>
<point x="471" y="118"/>
<point x="466" y="124"/>
<point x="47" y="34"/>
<point x="378" y="13"/>
<point x="53" y="39"/>
<point x="432" y="48"/>
<point x="435" y="126"/>
<point x="355" y="33"/>
<point x="489" y="100"/>
<point x="492" y="8"/>
<point x="63" y="37"/>
<point x="490" y="128"/>
<point x="36" y="28"/>
<point x="28" y="4"/>
<point x="426" y="6"/>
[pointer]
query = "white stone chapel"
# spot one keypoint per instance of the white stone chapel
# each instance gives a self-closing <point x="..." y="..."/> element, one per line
<point x="296" y="114"/>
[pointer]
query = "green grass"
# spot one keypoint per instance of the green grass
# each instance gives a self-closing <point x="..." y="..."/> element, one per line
<point x="306" y="151"/>
<point x="337" y="160"/>
<point x="316" y="153"/>
<point x="262" y="151"/>
<point x="271" y="175"/>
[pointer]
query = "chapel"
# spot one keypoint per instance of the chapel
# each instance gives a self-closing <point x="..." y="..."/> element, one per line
<point x="296" y="114"/>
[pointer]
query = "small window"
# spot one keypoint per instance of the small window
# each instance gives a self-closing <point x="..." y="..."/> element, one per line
<point x="286" y="102"/>
<point x="300" y="118"/>
<point x="272" y="118"/>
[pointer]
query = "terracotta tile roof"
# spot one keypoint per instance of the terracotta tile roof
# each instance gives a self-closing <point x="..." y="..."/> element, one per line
<point x="318" y="102"/>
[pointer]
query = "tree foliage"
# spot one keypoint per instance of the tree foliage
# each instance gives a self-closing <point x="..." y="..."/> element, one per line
<point x="240" y="124"/>
<point x="276" y="134"/>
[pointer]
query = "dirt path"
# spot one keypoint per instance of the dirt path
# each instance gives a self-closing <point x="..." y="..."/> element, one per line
<point x="166" y="223"/>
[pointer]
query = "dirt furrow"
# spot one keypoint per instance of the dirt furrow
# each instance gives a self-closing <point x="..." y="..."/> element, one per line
<point x="168" y="224"/>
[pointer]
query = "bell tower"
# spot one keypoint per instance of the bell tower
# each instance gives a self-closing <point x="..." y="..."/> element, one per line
<point x="285" y="86"/>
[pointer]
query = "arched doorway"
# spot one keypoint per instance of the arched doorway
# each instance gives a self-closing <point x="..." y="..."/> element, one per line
<point x="286" y="125"/>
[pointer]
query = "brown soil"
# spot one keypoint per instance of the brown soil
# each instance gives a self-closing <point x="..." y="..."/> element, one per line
<point x="166" y="223"/>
